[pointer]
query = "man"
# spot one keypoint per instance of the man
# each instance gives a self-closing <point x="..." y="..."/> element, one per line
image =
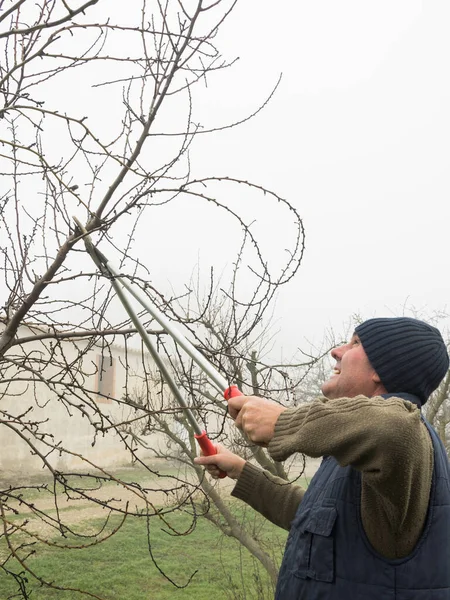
<point x="375" y="520"/>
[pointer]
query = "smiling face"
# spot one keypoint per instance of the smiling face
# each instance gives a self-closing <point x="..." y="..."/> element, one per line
<point x="353" y="374"/>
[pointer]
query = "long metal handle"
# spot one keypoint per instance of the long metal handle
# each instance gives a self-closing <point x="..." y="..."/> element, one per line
<point x="220" y="382"/>
<point x="158" y="360"/>
<point x="200" y="435"/>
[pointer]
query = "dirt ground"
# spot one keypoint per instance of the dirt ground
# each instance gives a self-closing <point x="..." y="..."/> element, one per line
<point x="40" y="511"/>
<point x="41" y="508"/>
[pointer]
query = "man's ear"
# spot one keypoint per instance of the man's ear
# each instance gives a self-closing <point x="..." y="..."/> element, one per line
<point x="376" y="377"/>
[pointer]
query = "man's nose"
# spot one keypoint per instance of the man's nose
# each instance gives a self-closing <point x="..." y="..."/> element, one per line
<point x="338" y="352"/>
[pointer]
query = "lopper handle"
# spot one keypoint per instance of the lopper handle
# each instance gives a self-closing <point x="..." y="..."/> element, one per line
<point x="203" y="440"/>
<point x="232" y="392"/>
<point x="208" y="448"/>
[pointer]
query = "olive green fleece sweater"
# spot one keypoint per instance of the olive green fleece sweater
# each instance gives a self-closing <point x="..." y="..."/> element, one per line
<point x="385" y="439"/>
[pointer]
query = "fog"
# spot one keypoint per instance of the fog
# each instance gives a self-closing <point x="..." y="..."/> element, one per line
<point x="356" y="137"/>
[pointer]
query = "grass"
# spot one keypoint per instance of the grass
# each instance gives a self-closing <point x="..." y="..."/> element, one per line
<point x="122" y="569"/>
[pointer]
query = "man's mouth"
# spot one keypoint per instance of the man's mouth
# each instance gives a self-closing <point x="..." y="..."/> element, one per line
<point x="336" y="371"/>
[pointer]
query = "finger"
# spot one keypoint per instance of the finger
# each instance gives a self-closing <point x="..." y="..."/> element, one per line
<point x="235" y="404"/>
<point x="211" y="468"/>
<point x="206" y="460"/>
<point x="213" y="471"/>
<point x="239" y="419"/>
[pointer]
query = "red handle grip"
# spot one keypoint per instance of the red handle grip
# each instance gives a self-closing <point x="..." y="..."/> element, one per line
<point x="208" y="448"/>
<point x="203" y="440"/>
<point x="232" y="392"/>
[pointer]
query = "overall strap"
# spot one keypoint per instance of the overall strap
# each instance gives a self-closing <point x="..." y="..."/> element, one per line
<point x="404" y="396"/>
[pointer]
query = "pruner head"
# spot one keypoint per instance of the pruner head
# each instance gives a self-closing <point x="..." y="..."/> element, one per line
<point x="98" y="258"/>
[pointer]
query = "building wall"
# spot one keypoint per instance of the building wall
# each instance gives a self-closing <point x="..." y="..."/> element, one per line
<point x="60" y="396"/>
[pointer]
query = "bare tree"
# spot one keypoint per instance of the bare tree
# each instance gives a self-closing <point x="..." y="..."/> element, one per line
<point x="437" y="408"/>
<point x="98" y="119"/>
<point x="437" y="411"/>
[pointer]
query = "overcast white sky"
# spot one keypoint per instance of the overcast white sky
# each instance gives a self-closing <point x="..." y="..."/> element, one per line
<point x="357" y="138"/>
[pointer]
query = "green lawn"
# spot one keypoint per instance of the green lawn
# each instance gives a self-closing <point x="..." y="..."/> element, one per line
<point x="122" y="569"/>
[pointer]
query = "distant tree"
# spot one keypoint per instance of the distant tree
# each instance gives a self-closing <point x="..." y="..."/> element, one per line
<point x="437" y="411"/>
<point x="437" y="408"/>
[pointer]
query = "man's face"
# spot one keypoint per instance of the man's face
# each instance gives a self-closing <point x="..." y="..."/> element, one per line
<point x="353" y="374"/>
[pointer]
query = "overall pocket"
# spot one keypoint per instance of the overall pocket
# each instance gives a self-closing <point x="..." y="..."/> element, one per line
<point x="315" y="544"/>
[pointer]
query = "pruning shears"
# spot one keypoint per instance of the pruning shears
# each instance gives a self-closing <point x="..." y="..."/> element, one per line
<point x="120" y="285"/>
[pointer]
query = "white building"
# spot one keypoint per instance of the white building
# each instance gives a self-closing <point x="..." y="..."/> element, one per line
<point x="68" y="393"/>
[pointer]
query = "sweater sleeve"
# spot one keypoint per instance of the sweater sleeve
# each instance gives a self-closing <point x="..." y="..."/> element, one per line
<point x="387" y="441"/>
<point x="275" y="498"/>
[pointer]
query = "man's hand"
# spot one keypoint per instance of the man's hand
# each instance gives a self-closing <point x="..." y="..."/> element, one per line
<point x="224" y="460"/>
<point x="255" y="416"/>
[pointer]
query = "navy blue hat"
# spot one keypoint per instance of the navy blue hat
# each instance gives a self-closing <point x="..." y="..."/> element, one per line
<point x="408" y="355"/>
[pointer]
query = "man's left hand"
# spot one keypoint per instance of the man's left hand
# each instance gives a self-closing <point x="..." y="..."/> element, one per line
<point x="256" y="417"/>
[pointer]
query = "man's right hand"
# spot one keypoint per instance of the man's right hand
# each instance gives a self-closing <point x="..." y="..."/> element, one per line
<point x="256" y="417"/>
<point x="224" y="460"/>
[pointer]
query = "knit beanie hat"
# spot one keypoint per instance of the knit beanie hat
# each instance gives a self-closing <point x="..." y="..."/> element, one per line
<point x="408" y="355"/>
